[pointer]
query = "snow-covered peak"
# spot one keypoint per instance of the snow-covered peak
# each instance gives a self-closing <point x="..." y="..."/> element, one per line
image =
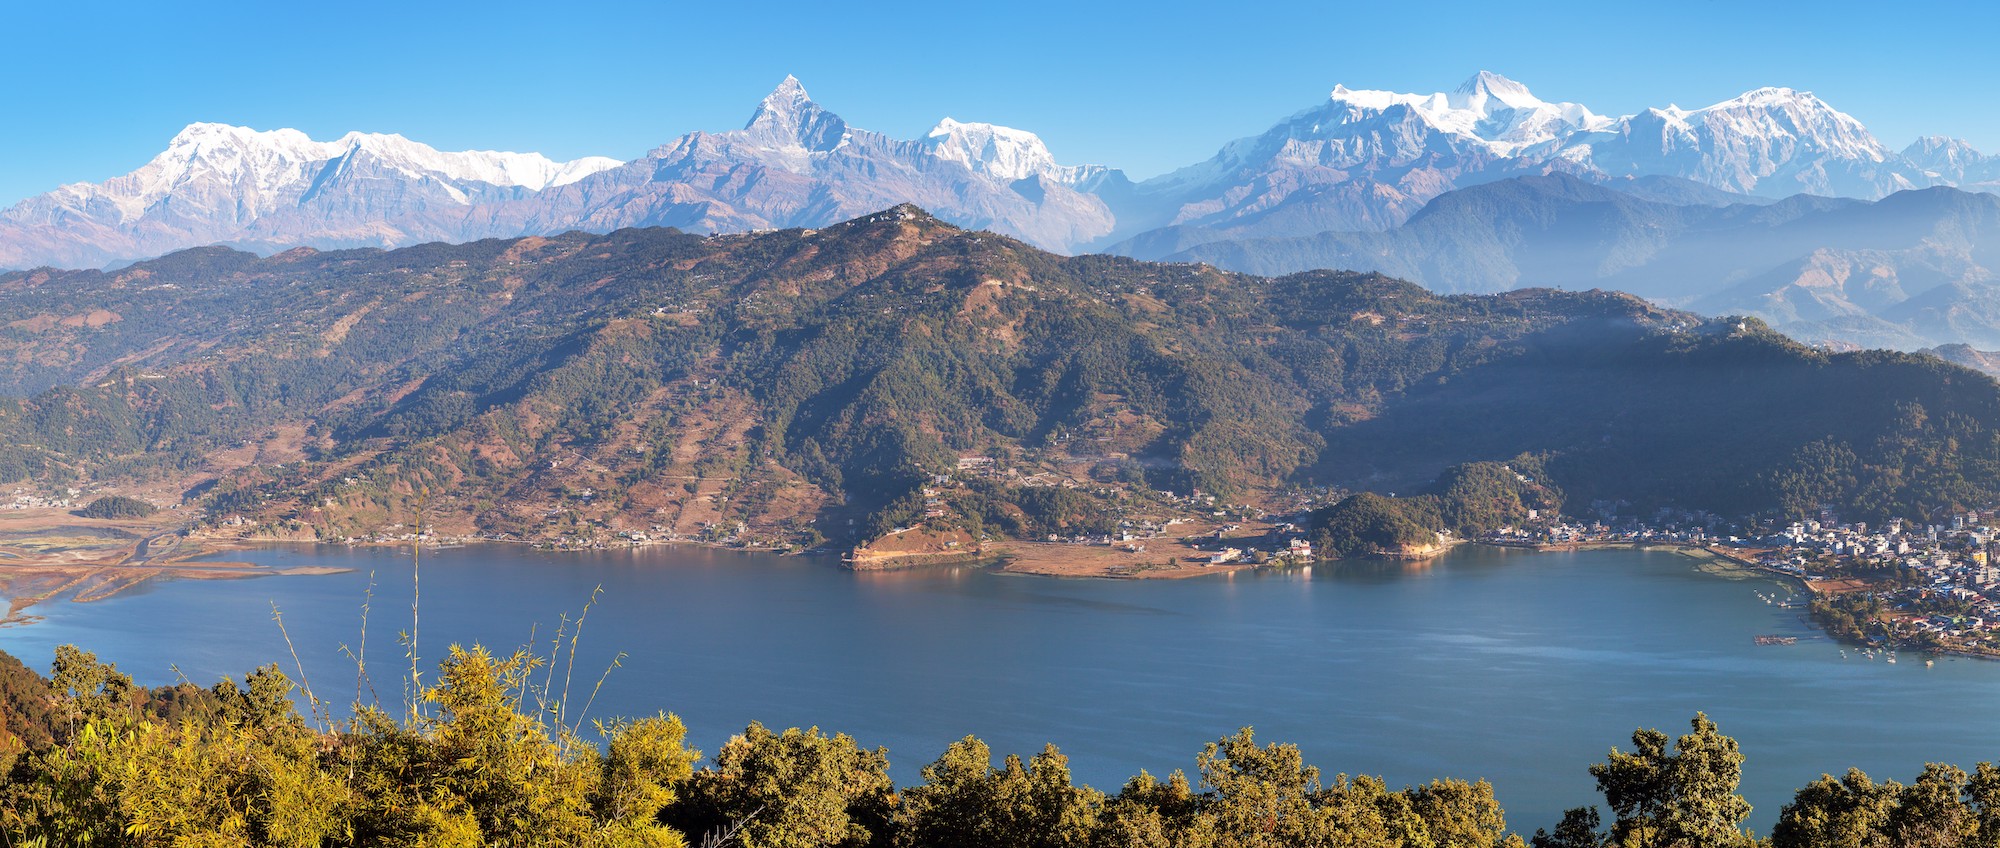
<point x="239" y="174"/>
<point x="1003" y="153"/>
<point x="201" y="136"/>
<point x="1488" y="86"/>
<point x="788" y="118"/>
<point x="501" y="168"/>
<point x="231" y="147"/>
<point x="1939" y="148"/>
<point x="254" y="163"/>
<point x="269" y="158"/>
<point x="1793" y="115"/>
<point x="1949" y="159"/>
<point x="1767" y="96"/>
<point x="1490" y="110"/>
<point x="789" y="98"/>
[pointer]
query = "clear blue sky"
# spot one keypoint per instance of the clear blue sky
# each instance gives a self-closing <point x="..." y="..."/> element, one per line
<point x="97" y="88"/>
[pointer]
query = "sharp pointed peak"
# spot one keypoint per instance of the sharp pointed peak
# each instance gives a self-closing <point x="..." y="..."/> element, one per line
<point x="1488" y="81"/>
<point x="788" y="116"/>
<point x="789" y="91"/>
<point x="1487" y="86"/>
<point x="787" y="103"/>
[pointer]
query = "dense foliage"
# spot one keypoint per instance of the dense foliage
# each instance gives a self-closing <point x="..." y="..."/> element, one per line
<point x="485" y="757"/>
<point x="1467" y="500"/>
<point x="117" y="506"/>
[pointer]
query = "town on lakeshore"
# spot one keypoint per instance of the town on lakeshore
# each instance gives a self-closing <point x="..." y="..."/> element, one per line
<point x="1931" y="587"/>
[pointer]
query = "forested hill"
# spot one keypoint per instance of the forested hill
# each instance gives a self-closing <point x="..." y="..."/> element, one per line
<point x="803" y="384"/>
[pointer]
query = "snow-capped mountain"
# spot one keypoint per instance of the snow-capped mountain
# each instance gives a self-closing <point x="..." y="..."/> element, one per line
<point x="1361" y="160"/>
<point x="1004" y="153"/>
<point x="1368" y="160"/>
<point x="1773" y="142"/>
<point x="221" y="183"/>
<point x="796" y="164"/>
<point x="1953" y="162"/>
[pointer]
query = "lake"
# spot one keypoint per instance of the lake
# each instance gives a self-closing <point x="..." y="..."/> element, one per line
<point x="1522" y="668"/>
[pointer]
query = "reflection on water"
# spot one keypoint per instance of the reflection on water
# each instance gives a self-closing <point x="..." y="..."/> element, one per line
<point x="1521" y="668"/>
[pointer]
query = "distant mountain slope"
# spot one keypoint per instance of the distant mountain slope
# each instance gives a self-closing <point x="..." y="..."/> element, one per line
<point x="1984" y="361"/>
<point x="1911" y="270"/>
<point x="808" y="384"/>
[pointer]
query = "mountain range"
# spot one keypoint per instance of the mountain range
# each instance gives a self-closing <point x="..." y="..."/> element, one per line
<point x="813" y="386"/>
<point x="1360" y="160"/>
<point x="1772" y="203"/>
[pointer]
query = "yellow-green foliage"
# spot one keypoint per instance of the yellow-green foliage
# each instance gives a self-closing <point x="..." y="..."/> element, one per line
<point x="483" y="760"/>
<point x="795" y="789"/>
<point x="249" y="771"/>
<point x="966" y="801"/>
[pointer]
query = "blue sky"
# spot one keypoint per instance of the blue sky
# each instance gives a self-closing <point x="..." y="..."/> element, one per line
<point x="98" y="88"/>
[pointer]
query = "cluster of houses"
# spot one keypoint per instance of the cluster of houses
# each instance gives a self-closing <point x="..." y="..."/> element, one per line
<point x="24" y="499"/>
<point x="1939" y="579"/>
<point x="1955" y="593"/>
<point x="1557" y="533"/>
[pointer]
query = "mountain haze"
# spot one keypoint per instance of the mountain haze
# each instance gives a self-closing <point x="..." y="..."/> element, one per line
<point x="1914" y="269"/>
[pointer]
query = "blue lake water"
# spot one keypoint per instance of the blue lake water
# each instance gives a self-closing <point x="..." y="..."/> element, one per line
<point x="1520" y="668"/>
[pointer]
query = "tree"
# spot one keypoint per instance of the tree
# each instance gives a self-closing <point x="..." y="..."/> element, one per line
<point x="1844" y="812"/>
<point x="1982" y="791"/>
<point x="1149" y="814"/>
<point x="1258" y="796"/>
<point x="1578" y="829"/>
<point x="1706" y="770"/>
<point x="644" y="760"/>
<point x="1684" y="798"/>
<point x="485" y="771"/>
<point x="1457" y="814"/>
<point x="796" y="789"/>
<point x="965" y="801"/>
<point x="1932" y="812"/>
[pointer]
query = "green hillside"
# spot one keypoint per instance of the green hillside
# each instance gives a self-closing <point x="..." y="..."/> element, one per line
<point x="800" y="386"/>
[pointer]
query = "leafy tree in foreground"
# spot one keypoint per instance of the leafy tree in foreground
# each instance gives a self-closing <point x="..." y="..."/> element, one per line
<point x="1578" y="829"/>
<point x="117" y="765"/>
<point x="246" y="769"/>
<point x="796" y="789"/>
<point x="965" y="801"/>
<point x="1684" y="798"/>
